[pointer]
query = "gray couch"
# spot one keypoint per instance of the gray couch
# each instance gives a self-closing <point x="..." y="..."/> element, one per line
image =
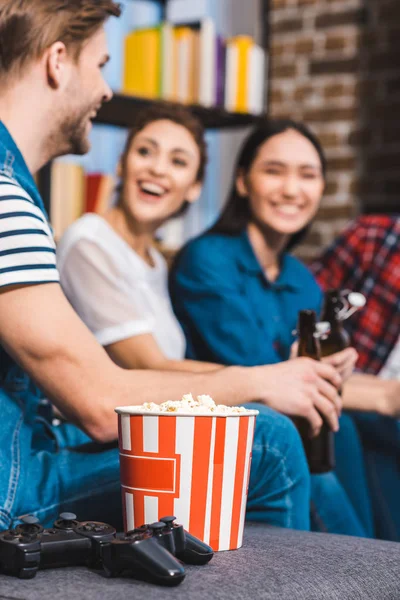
<point x="274" y="564"/>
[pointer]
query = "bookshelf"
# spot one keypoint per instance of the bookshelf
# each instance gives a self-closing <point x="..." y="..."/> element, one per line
<point x="121" y="110"/>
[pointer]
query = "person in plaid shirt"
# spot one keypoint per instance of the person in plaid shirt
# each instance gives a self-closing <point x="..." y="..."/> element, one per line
<point x="366" y="258"/>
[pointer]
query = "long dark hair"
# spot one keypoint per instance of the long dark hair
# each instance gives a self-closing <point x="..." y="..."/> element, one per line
<point x="237" y="213"/>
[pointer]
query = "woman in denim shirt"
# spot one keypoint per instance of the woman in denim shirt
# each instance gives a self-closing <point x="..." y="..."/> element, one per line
<point x="237" y="290"/>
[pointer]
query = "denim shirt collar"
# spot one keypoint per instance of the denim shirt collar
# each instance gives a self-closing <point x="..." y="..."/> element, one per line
<point x="12" y="164"/>
<point x="248" y="262"/>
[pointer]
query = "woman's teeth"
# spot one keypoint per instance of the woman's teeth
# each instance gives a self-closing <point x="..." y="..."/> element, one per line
<point x="288" y="209"/>
<point x="152" y="188"/>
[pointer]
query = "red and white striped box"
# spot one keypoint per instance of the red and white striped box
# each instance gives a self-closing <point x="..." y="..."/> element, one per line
<point x="196" y="467"/>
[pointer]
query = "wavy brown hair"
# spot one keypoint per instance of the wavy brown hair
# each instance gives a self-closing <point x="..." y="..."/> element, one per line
<point x="28" y="27"/>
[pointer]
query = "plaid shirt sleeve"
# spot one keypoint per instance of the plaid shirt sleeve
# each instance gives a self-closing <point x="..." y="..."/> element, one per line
<point x="366" y="258"/>
<point x="338" y="262"/>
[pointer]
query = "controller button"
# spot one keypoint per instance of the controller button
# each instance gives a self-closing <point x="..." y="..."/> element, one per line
<point x="30" y="520"/>
<point x="49" y="532"/>
<point x="66" y="521"/>
<point x="66" y="516"/>
<point x="169" y="521"/>
<point x="32" y="557"/>
<point x="156" y="528"/>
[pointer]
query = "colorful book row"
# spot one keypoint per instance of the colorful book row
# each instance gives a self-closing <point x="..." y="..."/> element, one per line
<point x="193" y="65"/>
<point x="74" y="192"/>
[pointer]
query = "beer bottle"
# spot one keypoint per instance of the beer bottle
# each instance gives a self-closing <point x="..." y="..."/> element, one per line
<point x="337" y="339"/>
<point x="320" y="450"/>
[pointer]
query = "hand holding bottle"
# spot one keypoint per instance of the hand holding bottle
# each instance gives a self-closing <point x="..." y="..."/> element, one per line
<point x="302" y="387"/>
<point x="343" y="361"/>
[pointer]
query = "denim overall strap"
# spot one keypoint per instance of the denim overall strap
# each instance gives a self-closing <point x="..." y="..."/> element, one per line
<point x="18" y="404"/>
<point x="12" y="164"/>
<point x="19" y="397"/>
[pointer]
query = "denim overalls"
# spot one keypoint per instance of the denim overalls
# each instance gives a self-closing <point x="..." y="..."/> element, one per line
<point x="45" y="469"/>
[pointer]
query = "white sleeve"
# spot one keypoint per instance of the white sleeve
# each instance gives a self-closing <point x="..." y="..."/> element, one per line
<point x="93" y="286"/>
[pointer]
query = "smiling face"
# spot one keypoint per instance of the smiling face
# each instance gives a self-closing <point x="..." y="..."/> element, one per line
<point x="159" y="173"/>
<point x="84" y="93"/>
<point x="284" y="184"/>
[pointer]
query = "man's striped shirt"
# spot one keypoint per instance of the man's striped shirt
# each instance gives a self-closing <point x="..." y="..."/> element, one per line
<point x="27" y="248"/>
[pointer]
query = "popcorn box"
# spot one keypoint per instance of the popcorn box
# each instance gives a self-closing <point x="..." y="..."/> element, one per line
<point x="195" y="466"/>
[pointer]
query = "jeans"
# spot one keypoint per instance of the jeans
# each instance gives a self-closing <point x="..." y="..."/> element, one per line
<point x="352" y="473"/>
<point x="380" y="439"/>
<point x="331" y="509"/>
<point x="279" y="487"/>
<point x="79" y="476"/>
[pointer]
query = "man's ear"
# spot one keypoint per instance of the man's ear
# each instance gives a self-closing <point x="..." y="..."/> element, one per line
<point x="57" y="63"/>
<point x="194" y="192"/>
<point x="241" y="187"/>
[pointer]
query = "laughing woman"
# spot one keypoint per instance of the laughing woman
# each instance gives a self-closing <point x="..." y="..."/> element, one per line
<point x="117" y="282"/>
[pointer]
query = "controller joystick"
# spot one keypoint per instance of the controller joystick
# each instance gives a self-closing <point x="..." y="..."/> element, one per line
<point x="164" y="537"/>
<point x="66" y="520"/>
<point x="29" y="528"/>
<point x="30" y="520"/>
<point x="149" y="552"/>
<point x="156" y="528"/>
<point x="168" y="521"/>
<point x="188" y="548"/>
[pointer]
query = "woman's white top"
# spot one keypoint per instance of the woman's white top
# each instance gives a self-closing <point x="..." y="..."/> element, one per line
<point x="114" y="291"/>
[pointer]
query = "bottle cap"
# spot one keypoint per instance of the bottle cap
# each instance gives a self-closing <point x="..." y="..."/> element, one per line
<point x="356" y="299"/>
<point x="322" y="328"/>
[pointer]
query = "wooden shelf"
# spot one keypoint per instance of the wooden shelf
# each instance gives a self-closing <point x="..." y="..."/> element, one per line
<point x="121" y="111"/>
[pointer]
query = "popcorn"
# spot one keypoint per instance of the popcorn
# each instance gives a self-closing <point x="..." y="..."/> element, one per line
<point x="203" y="404"/>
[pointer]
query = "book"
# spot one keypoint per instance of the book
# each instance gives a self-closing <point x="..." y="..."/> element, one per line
<point x="208" y="48"/>
<point x="92" y="191"/>
<point x="182" y="62"/>
<point x="194" y="68"/>
<point x="66" y="196"/>
<point x="220" y="71"/>
<point x="231" y="75"/>
<point x="256" y="81"/>
<point x="142" y="68"/>
<point x="167" y="61"/>
<point x="245" y="76"/>
<point x="244" y="46"/>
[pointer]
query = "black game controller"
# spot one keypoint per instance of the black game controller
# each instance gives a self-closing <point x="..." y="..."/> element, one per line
<point x="188" y="548"/>
<point x="147" y="553"/>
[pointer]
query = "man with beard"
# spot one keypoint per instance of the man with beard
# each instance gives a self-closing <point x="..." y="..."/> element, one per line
<point x="51" y="86"/>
